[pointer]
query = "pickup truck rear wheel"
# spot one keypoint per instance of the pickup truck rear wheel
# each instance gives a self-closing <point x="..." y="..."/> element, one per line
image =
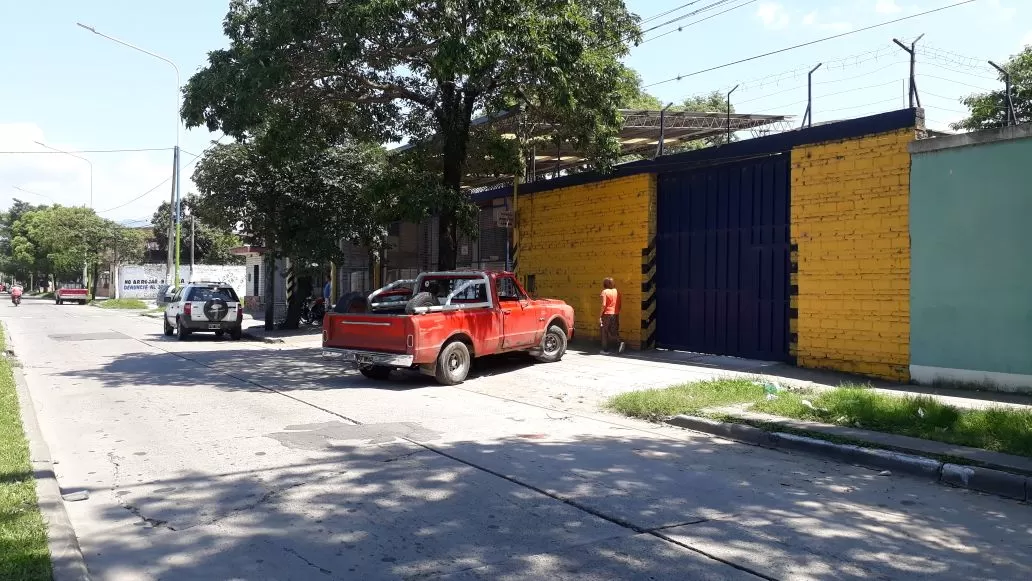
<point x="553" y="345"/>
<point x="378" y="372"/>
<point x="453" y="364"/>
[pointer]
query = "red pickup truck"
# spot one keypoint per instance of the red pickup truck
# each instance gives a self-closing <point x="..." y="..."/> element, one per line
<point x="71" y="294"/>
<point x="452" y="318"/>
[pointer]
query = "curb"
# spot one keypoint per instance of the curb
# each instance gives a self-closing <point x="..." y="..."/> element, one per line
<point x="65" y="554"/>
<point x="976" y="478"/>
<point x="272" y="340"/>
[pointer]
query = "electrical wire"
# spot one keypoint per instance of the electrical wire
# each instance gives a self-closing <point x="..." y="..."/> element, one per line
<point x="821" y="83"/>
<point x="166" y="180"/>
<point x="853" y="90"/>
<point x="716" y="4"/>
<point x="671" y="11"/>
<point x="131" y="150"/>
<point x="681" y="28"/>
<point x="810" y="43"/>
<point x="927" y="76"/>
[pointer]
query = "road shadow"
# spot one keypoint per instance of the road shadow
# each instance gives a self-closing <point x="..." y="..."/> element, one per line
<point x="523" y="507"/>
<point x="284" y="369"/>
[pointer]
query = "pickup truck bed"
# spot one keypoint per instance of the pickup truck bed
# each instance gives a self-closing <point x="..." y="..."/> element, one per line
<point x="474" y="320"/>
<point x="71" y="295"/>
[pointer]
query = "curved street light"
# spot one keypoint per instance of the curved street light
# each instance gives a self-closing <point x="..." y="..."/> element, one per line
<point x="175" y="173"/>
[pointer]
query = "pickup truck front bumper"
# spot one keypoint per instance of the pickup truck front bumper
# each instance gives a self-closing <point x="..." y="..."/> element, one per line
<point x="368" y="357"/>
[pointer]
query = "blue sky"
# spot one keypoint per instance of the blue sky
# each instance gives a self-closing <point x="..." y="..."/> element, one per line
<point x="77" y="91"/>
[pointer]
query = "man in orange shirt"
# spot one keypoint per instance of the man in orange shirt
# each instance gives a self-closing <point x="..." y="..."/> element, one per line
<point x="609" y="319"/>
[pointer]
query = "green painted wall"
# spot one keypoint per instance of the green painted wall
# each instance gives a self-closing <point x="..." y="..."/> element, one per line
<point x="971" y="257"/>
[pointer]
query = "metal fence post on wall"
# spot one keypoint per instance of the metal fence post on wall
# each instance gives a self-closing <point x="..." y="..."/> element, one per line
<point x="729" y="113"/>
<point x="662" y="130"/>
<point x="914" y="97"/>
<point x="808" y="116"/>
<point x="1011" y="120"/>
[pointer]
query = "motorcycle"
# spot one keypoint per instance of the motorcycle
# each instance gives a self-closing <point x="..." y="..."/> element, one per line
<point x="313" y="310"/>
<point x="16" y="299"/>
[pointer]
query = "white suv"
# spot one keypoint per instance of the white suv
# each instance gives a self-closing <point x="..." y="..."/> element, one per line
<point x="204" y="307"/>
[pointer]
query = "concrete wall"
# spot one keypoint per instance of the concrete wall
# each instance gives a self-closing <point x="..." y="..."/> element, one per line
<point x="572" y="238"/>
<point x="850" y="227"/>
<point x="142" y="281"/>
<point x="971" y="296"/>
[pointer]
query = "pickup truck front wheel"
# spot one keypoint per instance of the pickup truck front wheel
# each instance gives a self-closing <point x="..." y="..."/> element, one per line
<point x="553" y="345"/>
<point x="453" y="364"/>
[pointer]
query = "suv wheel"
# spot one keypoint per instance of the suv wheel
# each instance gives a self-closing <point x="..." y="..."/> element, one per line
<point x="181" y="331"/>
<point x="169" y="329"/>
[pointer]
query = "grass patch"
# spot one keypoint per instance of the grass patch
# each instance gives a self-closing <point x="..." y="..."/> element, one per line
<point x="48" y="295"/>
<point x="23" y="535"/>
<point x="688" y="398"/>
<point x="124" y="304"/>
<point x="998" y="429"/>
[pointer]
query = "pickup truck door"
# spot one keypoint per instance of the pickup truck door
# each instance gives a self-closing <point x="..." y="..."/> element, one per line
<point x="520" y="325"/>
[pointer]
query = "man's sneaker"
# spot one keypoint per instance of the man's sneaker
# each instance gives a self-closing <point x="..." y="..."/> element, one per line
<point x="621" y="348"/>
<point x="603" y="352"/>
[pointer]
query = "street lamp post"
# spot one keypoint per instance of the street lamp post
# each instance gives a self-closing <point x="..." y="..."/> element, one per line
<point x="175" y="174"/>
<point x="88" y="162"/>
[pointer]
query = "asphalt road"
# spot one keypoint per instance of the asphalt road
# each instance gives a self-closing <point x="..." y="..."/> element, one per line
<point x="213" y="459"/>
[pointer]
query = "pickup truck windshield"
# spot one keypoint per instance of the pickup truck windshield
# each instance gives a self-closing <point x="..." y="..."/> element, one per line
<point x="201" y="294"/>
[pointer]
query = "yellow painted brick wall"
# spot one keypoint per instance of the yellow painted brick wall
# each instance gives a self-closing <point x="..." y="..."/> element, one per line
<point x="850" y="220"/>
<point x="572" y="238"/>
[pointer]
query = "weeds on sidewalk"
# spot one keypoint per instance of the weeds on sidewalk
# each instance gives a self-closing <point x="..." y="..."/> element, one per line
<point x="999" y="429"/>
<point x="688" y="398"/>
<point x="23" y="535"/>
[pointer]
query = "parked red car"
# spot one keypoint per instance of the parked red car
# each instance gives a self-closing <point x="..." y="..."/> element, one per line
<point x="453" y="318"/>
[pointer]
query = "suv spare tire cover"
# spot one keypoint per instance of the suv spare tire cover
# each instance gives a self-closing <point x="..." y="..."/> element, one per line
<point x="216" y="309"/>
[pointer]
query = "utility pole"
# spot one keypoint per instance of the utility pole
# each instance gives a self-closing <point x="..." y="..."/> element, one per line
<point x="1011" y="120"/>
<point x="729" y="112"/>
<point x="808" y="116"/>
<point x="193" y="230"/>
<point x="914" y="97"/>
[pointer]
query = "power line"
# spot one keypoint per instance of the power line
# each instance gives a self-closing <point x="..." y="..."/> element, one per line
<point x="164" y="181"/>
<point x="853" y="90"/>
<point x="132" y="150"/>
<point x="831" y="82"/>
<point x="686" y="15"/>
<point x="671" y="11"/>
<point x="810" y="43"/>
<point x="680" y="28"/>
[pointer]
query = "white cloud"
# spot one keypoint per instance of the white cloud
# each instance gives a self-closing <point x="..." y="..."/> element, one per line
<point x="57" y="178"/>
<point x="773" y="15"/>
<point x="1000" y="10"/>
<point x="886" y="7"/>
<point x="812" y="19"/>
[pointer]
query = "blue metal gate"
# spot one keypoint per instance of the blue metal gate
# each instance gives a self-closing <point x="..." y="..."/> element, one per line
<point x="722" y="259"/>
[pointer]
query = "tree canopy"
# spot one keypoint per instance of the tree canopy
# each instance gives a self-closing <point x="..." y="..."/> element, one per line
<point x="416" y="69"/>
<point x="59" y="240"/>
<point x="989" y="110"/>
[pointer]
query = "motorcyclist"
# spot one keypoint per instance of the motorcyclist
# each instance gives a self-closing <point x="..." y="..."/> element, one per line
<point x="16" y="293"/>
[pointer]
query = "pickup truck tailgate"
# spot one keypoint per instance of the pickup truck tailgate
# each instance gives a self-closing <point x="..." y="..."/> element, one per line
<point x="382" y="333"/>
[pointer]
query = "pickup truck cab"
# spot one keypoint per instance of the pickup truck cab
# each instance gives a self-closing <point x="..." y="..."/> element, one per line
<point x="452" y="318"/>
<point x="71" y="294"/>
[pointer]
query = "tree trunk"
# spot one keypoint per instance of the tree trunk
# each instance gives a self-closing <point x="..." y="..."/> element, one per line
<point x="303" y="290"/>
<point x="93" y="292"/>
<point x="455" y="129"/>
<point x="270" y="291"/>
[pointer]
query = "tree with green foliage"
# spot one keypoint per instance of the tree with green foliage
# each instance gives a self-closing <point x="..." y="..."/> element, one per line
<point x="989" y="110"/>
<point x="211" y="245"/>
<point x="301" y="203"/>
<point x="379" y="69"/>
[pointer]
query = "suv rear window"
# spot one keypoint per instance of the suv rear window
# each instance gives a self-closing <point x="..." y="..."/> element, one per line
<point x="201" y="294"/>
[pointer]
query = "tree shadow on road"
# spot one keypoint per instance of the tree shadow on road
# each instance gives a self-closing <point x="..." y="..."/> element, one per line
<point x="540" y="506"/>
<point x="281" y="369"/>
